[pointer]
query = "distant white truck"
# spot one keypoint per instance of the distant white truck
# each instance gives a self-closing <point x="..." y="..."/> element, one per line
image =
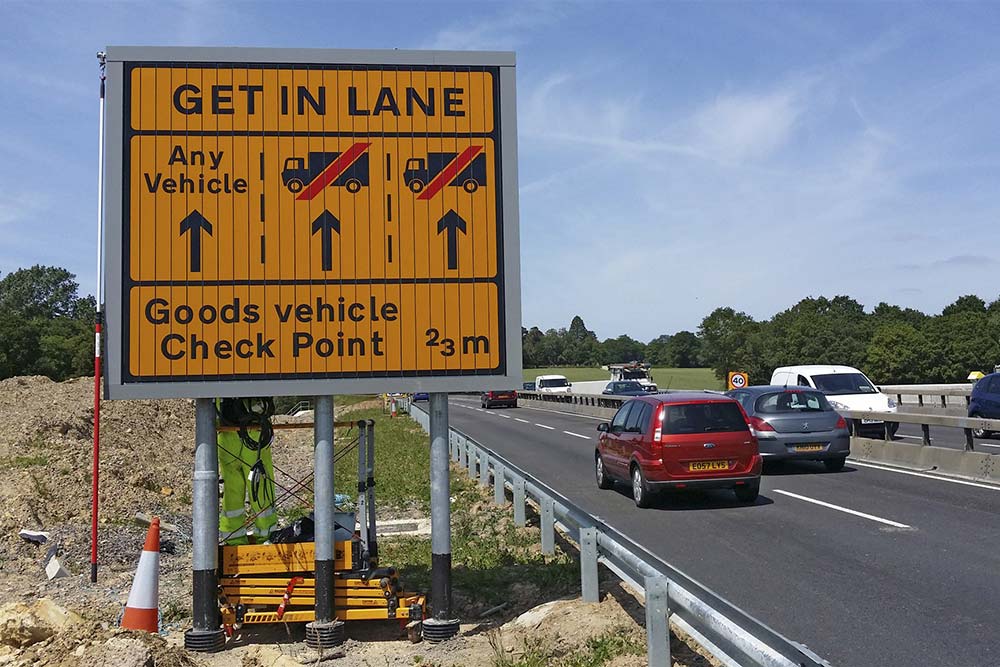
<point x="552" y="384"/>
<point x="635" y="371"/>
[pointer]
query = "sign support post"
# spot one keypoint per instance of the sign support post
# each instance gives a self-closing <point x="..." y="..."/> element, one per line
<point x="206" y="636"/>
<point x="326" y="631"/>
<point x="441" y="625"/>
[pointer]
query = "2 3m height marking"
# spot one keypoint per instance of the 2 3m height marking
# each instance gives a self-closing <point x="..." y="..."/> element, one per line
<point x="447" y="345"/>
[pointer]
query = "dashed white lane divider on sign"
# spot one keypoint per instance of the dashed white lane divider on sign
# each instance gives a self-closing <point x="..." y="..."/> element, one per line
<point x="870" y="517"/>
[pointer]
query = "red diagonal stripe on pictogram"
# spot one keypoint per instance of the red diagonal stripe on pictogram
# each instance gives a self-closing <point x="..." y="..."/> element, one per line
<point x="447" y="174"/>
<point x="333" y="172"/>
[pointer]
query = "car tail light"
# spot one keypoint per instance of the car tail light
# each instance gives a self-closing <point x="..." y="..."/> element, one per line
<point x="841" y="422"/>
<point x="514" y="393"/>
<point x="658" y="433"/>
<point x="758" y="425"/>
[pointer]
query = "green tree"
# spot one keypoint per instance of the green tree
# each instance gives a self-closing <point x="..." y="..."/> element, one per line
<point x="45" y="327"/>
<point x="724" y="334"/>
<point x="970" y="303"/>
<point x="683" y="350"/>
<point x="897" y="354"/>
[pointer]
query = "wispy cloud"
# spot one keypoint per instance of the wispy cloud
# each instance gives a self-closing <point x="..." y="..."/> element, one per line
<point x="502" y="32"/>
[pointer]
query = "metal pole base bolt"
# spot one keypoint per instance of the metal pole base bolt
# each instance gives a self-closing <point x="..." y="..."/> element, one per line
<point x="437" y="630"/>
<point x="321" y="636"/>
<point x="204" y="641"/>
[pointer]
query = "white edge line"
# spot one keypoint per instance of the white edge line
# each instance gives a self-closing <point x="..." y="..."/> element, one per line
<point x="576" y="435"/>
<point x="911" y="437"/>
<point x="551" y="428"/>
<point x="846" y="510"/>
<point x="925" y="475"/>
<point x="986" y="444"/>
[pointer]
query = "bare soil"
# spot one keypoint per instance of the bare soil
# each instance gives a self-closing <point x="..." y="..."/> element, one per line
<point x="147" y="447"/>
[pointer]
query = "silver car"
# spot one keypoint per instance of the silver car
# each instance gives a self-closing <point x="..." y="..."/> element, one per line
<point x="795" y="423"/>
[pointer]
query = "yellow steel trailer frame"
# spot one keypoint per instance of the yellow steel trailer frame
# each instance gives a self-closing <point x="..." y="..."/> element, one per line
<point x="257" y="577"/>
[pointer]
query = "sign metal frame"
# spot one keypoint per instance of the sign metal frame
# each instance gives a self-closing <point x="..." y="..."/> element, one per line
<point x="508" y="374"/>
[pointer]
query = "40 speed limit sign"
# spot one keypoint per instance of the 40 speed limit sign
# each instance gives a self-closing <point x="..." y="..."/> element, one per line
<point x="737" y="380"/>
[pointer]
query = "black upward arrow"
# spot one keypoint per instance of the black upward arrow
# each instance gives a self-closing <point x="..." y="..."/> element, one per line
<point x="195" y="223"/>
<point x="453" y="223"/>
<point x="326" y="223"/>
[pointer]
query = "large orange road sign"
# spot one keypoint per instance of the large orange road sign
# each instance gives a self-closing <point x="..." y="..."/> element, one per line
<point x="301" y="222"/>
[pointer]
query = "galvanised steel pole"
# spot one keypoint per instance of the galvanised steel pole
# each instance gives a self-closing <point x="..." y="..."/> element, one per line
<point x="326" y="631"/>
<point x="441" y="625"/>
<point x="205" y="635"/>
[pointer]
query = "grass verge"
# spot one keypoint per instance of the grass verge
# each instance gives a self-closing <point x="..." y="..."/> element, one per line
<point x="665" y="378"/>
<point x="596" y="652"/>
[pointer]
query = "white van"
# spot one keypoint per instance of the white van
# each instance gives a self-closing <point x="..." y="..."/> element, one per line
<point x="847" y="389"/>
<point x="552" y="384"/>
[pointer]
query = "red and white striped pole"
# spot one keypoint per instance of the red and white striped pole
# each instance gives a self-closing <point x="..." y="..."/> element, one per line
<point x="98" y="320"/>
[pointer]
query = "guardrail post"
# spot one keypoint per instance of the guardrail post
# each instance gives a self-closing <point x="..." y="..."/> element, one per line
<point x="519" y="518"/>
<point x="926" y="431"/>
<point x="588" y="565"/>
<point x="499" y="496"/>
<point x="548" y="527"/>
<point x="970" y="445"/>
<point x="657" y="622"/>
<point x="470" y="459"/>
<point x="484" y="468"/>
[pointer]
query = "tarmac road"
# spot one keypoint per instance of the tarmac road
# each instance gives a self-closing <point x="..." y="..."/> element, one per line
<point x="868" y="566"/>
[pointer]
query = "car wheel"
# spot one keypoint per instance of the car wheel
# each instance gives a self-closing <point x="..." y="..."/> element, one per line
<point x="979" y="432"/>
<point x="603" y="481"/>
<point x="748" y="493"/>
<point x="834" y="465"/>
<point x="640" y="490"/>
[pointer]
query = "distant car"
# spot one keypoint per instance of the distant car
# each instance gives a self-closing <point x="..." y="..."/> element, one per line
<point x="795" y="423"/>
<point x="676" y="441"/>
<point x="985" y="402"/>
<point x="625" y="388"/>
<point x="506" y="398"/>
<point x="421" y="396"/>
<point x="845" y="387"/>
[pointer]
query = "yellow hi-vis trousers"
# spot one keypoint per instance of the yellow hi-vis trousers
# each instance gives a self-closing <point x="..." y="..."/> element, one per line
<point x="235" y="461"/>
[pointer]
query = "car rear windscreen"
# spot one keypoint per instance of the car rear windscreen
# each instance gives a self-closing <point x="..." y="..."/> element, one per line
<point x="557" y="382"/>
<point x="791" y="402"/>
<point x="843" y="383"/>
<point x="703" y="418"/>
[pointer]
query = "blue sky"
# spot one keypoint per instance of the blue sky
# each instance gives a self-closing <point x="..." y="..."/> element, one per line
<point x="673" y="157"/>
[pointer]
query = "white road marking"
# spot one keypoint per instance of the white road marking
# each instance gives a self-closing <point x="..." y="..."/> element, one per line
<point x="870" y="517"/>
<point x="504" y="416"/>
<point x="551" y="428"/>
<point x="570" y="414"/>
<point x="912" y="437"/>
<point x="986" y="444"/>
<point x="577" y="435"/>
<point x="523" y="421"/>
<point x="925" y="475"/>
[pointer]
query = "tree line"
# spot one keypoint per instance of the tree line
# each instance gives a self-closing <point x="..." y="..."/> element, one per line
<point x="892" y="345"/>
<point x="46" y="328"/>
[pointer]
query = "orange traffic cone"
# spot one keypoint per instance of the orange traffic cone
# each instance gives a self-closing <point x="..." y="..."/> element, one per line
<point x="142" y="608"/>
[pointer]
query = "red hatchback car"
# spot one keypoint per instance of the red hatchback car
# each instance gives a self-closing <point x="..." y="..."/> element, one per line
<point x="681" y="440"/>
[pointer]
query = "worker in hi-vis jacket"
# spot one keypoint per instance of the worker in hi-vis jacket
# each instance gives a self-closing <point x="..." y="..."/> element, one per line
<point x="247" y="469"/>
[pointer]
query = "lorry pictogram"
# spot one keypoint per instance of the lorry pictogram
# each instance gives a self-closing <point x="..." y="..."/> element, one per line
<point x="311" y="174"/>
<point x="427" y="176"/>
